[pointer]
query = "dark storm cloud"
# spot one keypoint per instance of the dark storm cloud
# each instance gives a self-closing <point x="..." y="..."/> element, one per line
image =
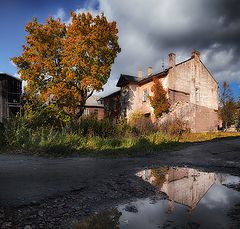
<point x="229" y="8"/>
<point x="149" y="30"/>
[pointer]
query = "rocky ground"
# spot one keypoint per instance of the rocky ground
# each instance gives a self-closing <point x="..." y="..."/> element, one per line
<point x="38" y="192"/>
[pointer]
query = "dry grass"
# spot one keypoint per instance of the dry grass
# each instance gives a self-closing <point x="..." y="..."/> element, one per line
<point x="200" y="137"/>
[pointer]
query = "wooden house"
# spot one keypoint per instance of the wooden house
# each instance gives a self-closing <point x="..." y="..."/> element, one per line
<point x="10" y="96"/>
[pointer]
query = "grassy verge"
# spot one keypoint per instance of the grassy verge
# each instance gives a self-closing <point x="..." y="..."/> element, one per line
<point x="63" y="144"/>
<point x="201" y="137"/>
<point x="66" y="144"/>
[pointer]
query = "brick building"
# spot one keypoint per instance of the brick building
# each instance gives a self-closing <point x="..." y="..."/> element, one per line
<point x="112" y="105"/>
<point x="10" y="93"/>
<point x="94" y="106"/>
<point x="190" y="87"/>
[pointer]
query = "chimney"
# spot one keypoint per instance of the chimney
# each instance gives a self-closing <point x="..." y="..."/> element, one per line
<point x="196" y="55"/>
<point x="149" y="71"/>
<point x="172" y="59"/>
<point x="140" y="74"/>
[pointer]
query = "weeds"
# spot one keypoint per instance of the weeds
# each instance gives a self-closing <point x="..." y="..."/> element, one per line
<point x="98" y="137"/>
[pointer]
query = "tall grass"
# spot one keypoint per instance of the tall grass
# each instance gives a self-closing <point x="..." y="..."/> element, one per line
<point x="91" y="135"/>
<point x="97" y="136"/>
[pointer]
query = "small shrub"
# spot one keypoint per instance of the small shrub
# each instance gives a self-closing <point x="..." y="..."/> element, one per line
<point x="140" y="124"/>
<point x="90" y="126"/>
<point x="17" y="133"/>
<point x="174" y="127"/>
<point x="123" y="128"/>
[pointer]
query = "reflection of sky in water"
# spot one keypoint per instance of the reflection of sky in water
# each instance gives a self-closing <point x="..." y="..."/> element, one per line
<point x="231" y="180"/>
<point x="205" y="202"/>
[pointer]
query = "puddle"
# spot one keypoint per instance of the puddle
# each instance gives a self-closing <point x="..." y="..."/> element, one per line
<point x="195" y="199"/>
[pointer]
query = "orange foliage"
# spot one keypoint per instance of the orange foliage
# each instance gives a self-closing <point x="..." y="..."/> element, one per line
<point x="67" y="63"/>
<point x="159" y="101"/>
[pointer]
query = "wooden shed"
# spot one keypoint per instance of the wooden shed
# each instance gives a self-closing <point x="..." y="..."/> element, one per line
<point x="10" y="96"/>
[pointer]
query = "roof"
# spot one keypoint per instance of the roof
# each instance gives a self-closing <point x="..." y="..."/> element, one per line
<point x="113" y="94"/>
<point x="2" y="74"/>
<point x="125" y="79"/>
<point x="93" y="101"/>
<point x="150" y="78"/>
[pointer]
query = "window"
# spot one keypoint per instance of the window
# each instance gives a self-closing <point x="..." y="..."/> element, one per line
<point x="124" y="100"/>
<point x="147" y="115"/>
<point x="145" y="95"/>
<point x="86" y="112"/>
<point x="96" y="111"/>
<point x="197" y="94"/>
<point x="124" y="112"/>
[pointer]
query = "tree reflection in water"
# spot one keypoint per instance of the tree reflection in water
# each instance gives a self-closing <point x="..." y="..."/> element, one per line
<point x="160" y="176"/>
<point x="105" y="220"/>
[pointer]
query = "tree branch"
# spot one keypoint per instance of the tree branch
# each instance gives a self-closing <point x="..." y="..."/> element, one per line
<point x="90" y="94"/>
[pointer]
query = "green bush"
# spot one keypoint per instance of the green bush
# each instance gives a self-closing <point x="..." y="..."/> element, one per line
<point x="90" y="126"/>
<point x="17" y="133"/>
<point x="44" y="116"/>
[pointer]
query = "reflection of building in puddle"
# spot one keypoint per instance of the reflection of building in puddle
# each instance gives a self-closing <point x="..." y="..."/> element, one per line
<point x="182" y="185"/>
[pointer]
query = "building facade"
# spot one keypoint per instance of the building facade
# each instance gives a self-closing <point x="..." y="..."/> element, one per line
<point x="191" y="90"/>
<point x="10" y="96"/>
<point x="94" y="106"/>
<point x="112" y="105"/>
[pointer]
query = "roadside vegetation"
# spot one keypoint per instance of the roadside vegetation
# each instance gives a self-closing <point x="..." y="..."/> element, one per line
<point x="92" y="137"/>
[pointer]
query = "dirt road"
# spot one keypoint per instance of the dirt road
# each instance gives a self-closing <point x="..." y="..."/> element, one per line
<point x="55" y="192"/>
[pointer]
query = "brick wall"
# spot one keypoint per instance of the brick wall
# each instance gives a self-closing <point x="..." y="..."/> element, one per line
<point x="177" y="96"/>
<point x="198" y="118"/>
<point x="98" y="111"/>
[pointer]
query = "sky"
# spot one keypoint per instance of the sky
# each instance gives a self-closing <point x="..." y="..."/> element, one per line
<point x="148" y="32"/>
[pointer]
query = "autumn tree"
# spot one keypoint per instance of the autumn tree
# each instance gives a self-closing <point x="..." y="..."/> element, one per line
<point x="64" y="64"/>
<point x="159" y="100"/>
<point x="227" y="105"/>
